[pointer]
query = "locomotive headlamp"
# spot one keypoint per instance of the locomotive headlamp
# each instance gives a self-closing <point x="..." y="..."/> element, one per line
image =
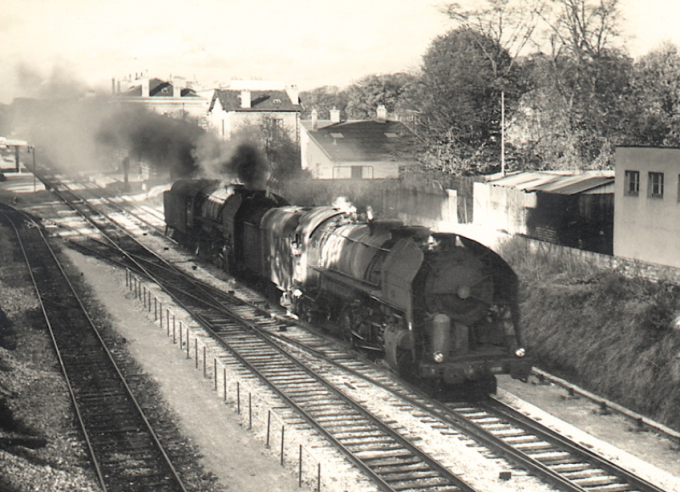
<point x="439" y="357"/>
<point x="297" y="293"/>
<point x="520" y="352"/>
<point x="463" y="292"/>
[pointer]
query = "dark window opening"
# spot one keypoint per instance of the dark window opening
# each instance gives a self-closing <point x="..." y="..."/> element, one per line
<point x="632" y="183"/>
<point x="656" y="185"/>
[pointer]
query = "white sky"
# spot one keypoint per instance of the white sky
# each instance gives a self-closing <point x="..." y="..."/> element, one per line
<point x="305" y="42"/>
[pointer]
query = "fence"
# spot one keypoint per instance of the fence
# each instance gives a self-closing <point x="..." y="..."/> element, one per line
<point x="216" y="370"/>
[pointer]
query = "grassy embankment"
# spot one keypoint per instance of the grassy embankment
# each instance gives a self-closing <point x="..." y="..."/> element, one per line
<point x="610" y="334"/>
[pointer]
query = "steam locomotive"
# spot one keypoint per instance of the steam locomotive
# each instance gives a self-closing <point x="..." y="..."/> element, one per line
<point x="438" y="308"/>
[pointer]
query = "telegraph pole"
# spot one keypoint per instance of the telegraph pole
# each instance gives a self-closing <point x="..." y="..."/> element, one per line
<point x="503" y="133"/>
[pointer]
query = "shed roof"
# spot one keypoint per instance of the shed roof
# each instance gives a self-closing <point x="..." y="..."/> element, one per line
<point x="559" y="182"/>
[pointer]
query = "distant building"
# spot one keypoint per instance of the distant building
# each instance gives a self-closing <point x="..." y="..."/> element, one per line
<point x="647" y="219"/>
<point x="373" y="149"/>
<point x="570" y="209"/>
<point x="250" y="102"/>
<point x="177" y="98"/>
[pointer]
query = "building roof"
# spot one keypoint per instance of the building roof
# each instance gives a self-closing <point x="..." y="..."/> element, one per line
<point x="360" y="141"/>
<point x="559" y="182"/>
<point x="158" y="88"/>
<point x="267" y="100"/>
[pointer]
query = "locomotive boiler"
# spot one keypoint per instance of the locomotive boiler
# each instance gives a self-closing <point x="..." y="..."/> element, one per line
<point x="436" y="308"/>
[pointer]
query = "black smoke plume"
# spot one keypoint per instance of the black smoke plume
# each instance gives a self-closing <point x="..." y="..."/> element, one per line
<point x="249" y="166"/>
<point x="167" y="143"/>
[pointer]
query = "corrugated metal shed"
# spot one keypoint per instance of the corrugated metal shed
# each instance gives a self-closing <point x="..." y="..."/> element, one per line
<point x="600" y="182"/>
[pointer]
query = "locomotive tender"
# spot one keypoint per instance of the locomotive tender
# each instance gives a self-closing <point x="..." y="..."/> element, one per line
<point x="439" y="308"/>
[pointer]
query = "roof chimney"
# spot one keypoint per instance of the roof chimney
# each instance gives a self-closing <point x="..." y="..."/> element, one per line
<point x="315" y="118"/>
<point x="145" y="87"/>
<point x="382" y="114"/>
<point x="176" y="90"/>
<point x="293" y="94"/>
<point x="245" y="99"/>
<point x="335" y="115"/>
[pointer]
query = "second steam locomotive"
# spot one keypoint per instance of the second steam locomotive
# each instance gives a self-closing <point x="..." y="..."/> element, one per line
<point x="438" y="308"/>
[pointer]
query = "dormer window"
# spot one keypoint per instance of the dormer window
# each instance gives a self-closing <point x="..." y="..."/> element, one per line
<point x="277" y="101"/>
<point x="391" y="135"/>
<point x="337" y="135"/>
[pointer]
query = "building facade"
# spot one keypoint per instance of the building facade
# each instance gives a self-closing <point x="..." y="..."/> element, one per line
<point x="647" y="205"/>
<point x="253" y="103"/>
<point x="176" y="98"/>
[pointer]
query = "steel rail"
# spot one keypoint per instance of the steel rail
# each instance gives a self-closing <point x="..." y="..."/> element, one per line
<point x="466" y="426"/>
<point x="359" y="463"/>
<point x="106" y="350"/>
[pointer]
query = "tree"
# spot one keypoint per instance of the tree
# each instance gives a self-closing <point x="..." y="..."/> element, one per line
<point x="279" y="148"/>
<point x="323" y="99"/>
<point x="463" y="75"/>
<point x="654" y="101"/>
<point x="588" y="75"/>
<point x="390" y="90"/>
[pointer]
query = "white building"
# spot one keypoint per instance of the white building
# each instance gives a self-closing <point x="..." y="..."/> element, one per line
<point x="647" y="205"/>
<point x="177" y="98"/>
<point x="250" y="102"/>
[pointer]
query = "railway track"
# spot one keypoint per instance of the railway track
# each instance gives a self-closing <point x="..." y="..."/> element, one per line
<point x="126" y="452"/>
<point x="392" y="462"/>
<point x="252" y="335"/>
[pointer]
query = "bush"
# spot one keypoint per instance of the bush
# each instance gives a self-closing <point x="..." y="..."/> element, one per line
<point x="608" y="333"/>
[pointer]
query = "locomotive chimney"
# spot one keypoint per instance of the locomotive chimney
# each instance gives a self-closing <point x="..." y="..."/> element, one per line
<point x="245" y="99"/>
<point x="145" y="87"/>
<point x="335" y="115"/>
<point x="315" y="118"/>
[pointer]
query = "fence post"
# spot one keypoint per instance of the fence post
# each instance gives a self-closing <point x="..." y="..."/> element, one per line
<point x="250" y="410"/>
<point x="269" y="423"/>
<point x="196" y="350"/>
<point x="283" y="432"/>
<point x="318" y="477"/>
<point x="180" y="334"/>
<point x="155" y="309"/>
<point x="300" y="469"/>
<point x="188" y="343"/>
<point x="224" y="382"/>
<point x="238" y="397"/>
<point x="215" y="372"/>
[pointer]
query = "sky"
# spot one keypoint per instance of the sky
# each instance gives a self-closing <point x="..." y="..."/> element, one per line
<point x="308" y="43"/>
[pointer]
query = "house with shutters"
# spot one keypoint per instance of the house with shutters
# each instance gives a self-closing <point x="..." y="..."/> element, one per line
<point x="251" y="102"/>
<point x="370" y="149"/>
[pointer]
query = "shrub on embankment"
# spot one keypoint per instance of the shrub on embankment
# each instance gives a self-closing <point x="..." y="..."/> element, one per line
<point x="610" y="334"/>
